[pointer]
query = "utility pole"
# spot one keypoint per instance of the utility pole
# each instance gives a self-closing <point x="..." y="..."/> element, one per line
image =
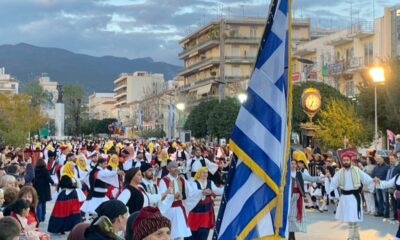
<point x="222" y="83"/>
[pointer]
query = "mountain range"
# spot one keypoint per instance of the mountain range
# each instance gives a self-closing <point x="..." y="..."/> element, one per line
<point x="94" y="74"/>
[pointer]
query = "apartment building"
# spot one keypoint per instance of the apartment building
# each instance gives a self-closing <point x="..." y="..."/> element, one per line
<point x="343" y="59"/>
<point x="130" y="90"/>
<point x="219" y="57"/>
<point x="101" y="105"/>
<point x="8" y="84"/>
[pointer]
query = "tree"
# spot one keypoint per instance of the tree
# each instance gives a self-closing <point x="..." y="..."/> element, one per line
<point x="74" y="108"/>
<point x="222" y="118"/>
<point x="38" y="96"/>
<point x="96" y="126"/>
<point x="338" y="121"/>
<point x="156" y="133"/>
<point x="388" y="99"/>
<point x="197" y="119"/>
<point x="18" y="118"/>
<point x="327" y="93"/>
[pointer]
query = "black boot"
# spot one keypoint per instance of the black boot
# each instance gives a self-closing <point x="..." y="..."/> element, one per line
<point x="291" y="236"/>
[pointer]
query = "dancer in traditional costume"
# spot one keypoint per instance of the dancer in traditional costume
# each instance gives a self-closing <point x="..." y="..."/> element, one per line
<point x="297" y="214"/>
<point x="99" y="178"/>
<point x="198" y="161"/>
<point x="202" y="218"/>
<point x="349" y="180"/>
<point x="186" y="198"/>
<point x="66" y="211"/>
<point x="134" y="196"/>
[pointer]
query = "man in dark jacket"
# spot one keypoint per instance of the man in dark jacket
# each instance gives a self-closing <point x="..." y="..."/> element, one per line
<point x="112" y="218"/>
<point x="380" y="171"/>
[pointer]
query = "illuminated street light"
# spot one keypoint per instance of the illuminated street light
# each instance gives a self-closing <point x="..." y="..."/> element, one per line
<point x="378" y="76"/>
<point x="242" y="97"/>
<point x="180" y="106"/>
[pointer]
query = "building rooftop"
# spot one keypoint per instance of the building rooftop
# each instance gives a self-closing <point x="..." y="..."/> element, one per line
<point x="102" y="95"/>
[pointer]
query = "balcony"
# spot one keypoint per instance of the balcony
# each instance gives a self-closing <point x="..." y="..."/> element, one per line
<point x="349" y="66"/>
<point x="233" y="79"/>
<point x="305" y="51"/>
<point x="192" y="85"/>
<point x="240" y="59"/>
<point x="243" y="40"/>
<point x="204" y="64"/>
<point x="203" y="46"/>
<point x="340" y="41"/>
<point x="361" y="29"/>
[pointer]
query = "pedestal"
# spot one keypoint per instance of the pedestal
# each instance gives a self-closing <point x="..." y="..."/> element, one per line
<point x="60" y="119"/>
<point x="308" y="135"/>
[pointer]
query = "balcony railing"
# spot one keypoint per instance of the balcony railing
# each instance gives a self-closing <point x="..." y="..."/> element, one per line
<point x="351" y="65"/>
<point x="199" y="64"/>
<point x="241" y="59"/>
<point x="195" y="84"/>
<point x="361" y="28"/>
<point x="198" y="46"/>
<point x="244" y="40"/>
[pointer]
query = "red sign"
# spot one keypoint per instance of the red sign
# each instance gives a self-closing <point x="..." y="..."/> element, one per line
<point x="312" y="75"/>
<point x="295" y="76"/>
<point x="348" y="151"/>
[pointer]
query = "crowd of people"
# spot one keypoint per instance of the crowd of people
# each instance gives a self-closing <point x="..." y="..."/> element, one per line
<point x="160" y="189"/>
<point x="354" y="184"/>
<point x="112" y="189"/>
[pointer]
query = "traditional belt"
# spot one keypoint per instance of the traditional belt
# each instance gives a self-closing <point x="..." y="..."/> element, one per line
<point x="357" y="195"/>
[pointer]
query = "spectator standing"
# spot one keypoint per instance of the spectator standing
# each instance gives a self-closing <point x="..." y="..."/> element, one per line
<point x="42" y="185"/>
<point x="380" y="171"/>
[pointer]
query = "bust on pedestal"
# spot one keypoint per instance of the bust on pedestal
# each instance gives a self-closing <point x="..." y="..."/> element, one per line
<point x="60" y="113"/>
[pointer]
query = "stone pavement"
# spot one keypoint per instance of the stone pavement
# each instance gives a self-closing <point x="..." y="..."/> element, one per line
<point x="322" y="226"/>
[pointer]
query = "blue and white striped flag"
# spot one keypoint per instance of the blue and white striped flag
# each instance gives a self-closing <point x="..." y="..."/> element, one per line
<point x="256" y="199"/>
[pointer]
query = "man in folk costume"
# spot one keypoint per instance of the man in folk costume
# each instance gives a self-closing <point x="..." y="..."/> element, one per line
<point x="162" y="200"/>
<point x="198" y="161"/>
<point x="186" y="198"/>
<point x="349" y="180"/>
<point x="135" y="162"/>
<point x="297" y="214"/>
<point x="129" y="154"/>
<point x="99" y="178"/>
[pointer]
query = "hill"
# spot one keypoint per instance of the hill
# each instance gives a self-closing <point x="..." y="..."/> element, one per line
<point x="25" y="62"/>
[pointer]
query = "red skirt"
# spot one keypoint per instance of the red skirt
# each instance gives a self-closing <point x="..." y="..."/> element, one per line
<point x="202" y="216"/>
<point x="66" y="213"/>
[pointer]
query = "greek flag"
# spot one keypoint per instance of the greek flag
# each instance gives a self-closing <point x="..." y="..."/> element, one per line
<point x="255" y="203"/>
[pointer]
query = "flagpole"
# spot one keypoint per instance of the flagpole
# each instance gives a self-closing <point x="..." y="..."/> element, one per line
<point x="278" y="221"/>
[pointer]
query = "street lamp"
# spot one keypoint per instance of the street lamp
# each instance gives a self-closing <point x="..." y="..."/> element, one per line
<point x="242" y="97"/>
<point x="180" y="106"/>
<point x="378" y="76"/>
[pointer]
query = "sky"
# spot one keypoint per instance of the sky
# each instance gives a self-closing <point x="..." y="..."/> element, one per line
<point x="150" y="28"/>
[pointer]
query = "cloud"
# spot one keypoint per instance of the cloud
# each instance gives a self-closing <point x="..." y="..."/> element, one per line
<point x="147" y="28"/>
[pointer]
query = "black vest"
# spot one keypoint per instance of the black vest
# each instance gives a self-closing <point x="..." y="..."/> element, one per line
<point x="135" y="202"/>
<point x="148" y="190"/>
<point x="96" y="183"/>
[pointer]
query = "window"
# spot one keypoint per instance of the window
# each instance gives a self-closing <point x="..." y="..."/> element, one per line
<point x="235" y="51"/>
<point x="368" y="53"/>
<point x="350" y="88"/>
<point x="13" y="86"/>
<point x="235" y="71"/>
<point x="294" y="67"/>
<point x="349" y="54"/>
<point x="253" y="32"/>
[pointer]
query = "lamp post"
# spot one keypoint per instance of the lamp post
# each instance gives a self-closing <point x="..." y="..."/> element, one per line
<point x="180" y="106"/>
<point x="378" y="76"/>
<point x="242" y="97"/>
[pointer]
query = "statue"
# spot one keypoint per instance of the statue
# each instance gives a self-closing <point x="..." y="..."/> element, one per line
<point x="60" y="93"/>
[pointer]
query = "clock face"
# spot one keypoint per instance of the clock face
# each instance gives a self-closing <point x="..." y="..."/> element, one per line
<point x="312" y="102"/>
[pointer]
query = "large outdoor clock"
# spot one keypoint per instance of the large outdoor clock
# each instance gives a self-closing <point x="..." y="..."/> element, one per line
<point x="311" y="101"/>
